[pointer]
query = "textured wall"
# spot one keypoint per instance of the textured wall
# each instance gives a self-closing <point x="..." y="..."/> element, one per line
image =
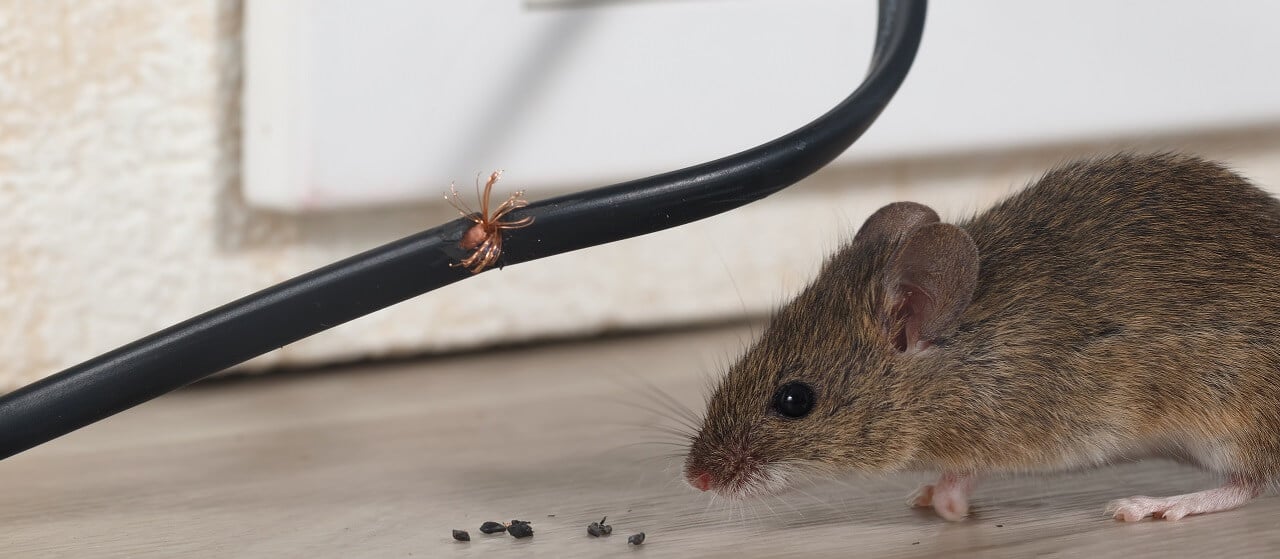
<point x="120" y="214"/>
<point x="117" y="131"/>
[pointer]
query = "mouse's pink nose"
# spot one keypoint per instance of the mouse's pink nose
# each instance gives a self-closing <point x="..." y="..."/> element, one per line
<point x="702" y="481"/>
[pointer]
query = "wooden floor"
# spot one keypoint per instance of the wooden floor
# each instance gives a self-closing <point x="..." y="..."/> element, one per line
<point x="384" y="461"/>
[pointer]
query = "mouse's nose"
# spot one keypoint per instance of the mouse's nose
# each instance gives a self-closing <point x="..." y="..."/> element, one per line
<point x="702" y="481"/>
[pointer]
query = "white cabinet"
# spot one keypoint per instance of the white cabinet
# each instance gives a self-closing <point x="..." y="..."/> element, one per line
<point x="387" y="101"/>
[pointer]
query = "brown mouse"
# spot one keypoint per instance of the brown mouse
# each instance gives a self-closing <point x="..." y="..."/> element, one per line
<point x="1118" y="308"/>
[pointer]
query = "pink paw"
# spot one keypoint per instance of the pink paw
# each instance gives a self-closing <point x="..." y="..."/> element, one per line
<point x="951" y="503"/>
<point x="1227" y="497"/>
<point x="1135" y="509"/>
<point x="922" y="497"/>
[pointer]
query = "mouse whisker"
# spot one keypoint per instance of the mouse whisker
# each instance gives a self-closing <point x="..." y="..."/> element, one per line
<point x="675" y="405"/>
<point x="677" y="431"/>
<point x="661" y="419"/>
<point x="783" y="500"/>
<point x="840" y="511"/>
<point x="814" y="474"/>
<point x="667" y="406"/>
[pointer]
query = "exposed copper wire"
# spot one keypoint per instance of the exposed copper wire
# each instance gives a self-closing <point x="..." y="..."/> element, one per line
<point x="484" y="239"/>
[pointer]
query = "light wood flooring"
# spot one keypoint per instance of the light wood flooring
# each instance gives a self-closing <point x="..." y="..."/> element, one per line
<point x="385" y="460"/>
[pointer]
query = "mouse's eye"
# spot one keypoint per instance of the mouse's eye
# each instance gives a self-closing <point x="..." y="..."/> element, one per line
<point x="794" y="400"/>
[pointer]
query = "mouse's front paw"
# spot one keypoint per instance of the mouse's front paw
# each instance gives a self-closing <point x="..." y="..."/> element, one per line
<point x="951" y="505"/>
<point x="922" y="497"/>
<point x="949" y="497"/>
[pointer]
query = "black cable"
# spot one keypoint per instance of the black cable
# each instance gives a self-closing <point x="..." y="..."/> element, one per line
<point x="409" y="267"/>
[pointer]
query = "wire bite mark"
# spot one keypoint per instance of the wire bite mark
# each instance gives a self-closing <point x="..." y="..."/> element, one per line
<point x="484" y="239"/>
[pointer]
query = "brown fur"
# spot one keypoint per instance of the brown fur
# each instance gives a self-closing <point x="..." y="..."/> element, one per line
<point x="1124" y="307"/>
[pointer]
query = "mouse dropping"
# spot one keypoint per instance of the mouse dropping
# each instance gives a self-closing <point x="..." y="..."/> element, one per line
<point x="597" y="529"/>
<point x="520" y="529"/>
<point x="492" y="527"/>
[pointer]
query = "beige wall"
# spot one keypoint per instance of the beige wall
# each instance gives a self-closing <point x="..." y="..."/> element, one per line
<point x="120" y="212"/>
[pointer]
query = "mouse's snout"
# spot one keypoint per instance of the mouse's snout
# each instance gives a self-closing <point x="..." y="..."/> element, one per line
<point x="734" y="478"/>
<point x="700" y="475"/>
<point x="700" y="481"/>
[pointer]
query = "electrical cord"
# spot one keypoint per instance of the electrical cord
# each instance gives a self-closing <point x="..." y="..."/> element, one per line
<point x="400" y="270"/>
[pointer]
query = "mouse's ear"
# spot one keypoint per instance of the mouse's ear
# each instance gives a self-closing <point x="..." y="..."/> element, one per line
<point x="930" y="280"/>
<point x="894" y="221"/>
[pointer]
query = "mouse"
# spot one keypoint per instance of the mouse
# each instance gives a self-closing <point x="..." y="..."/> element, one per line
<point x="1118" y="308"/>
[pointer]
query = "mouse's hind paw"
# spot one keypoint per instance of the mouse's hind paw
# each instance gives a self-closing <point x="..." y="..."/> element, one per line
<point x="1137" y="508"/>
<point x="1227" y="497"/>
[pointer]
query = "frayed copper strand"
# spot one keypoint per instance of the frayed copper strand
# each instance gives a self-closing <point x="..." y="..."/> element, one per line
<point x="484" y="239"/>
